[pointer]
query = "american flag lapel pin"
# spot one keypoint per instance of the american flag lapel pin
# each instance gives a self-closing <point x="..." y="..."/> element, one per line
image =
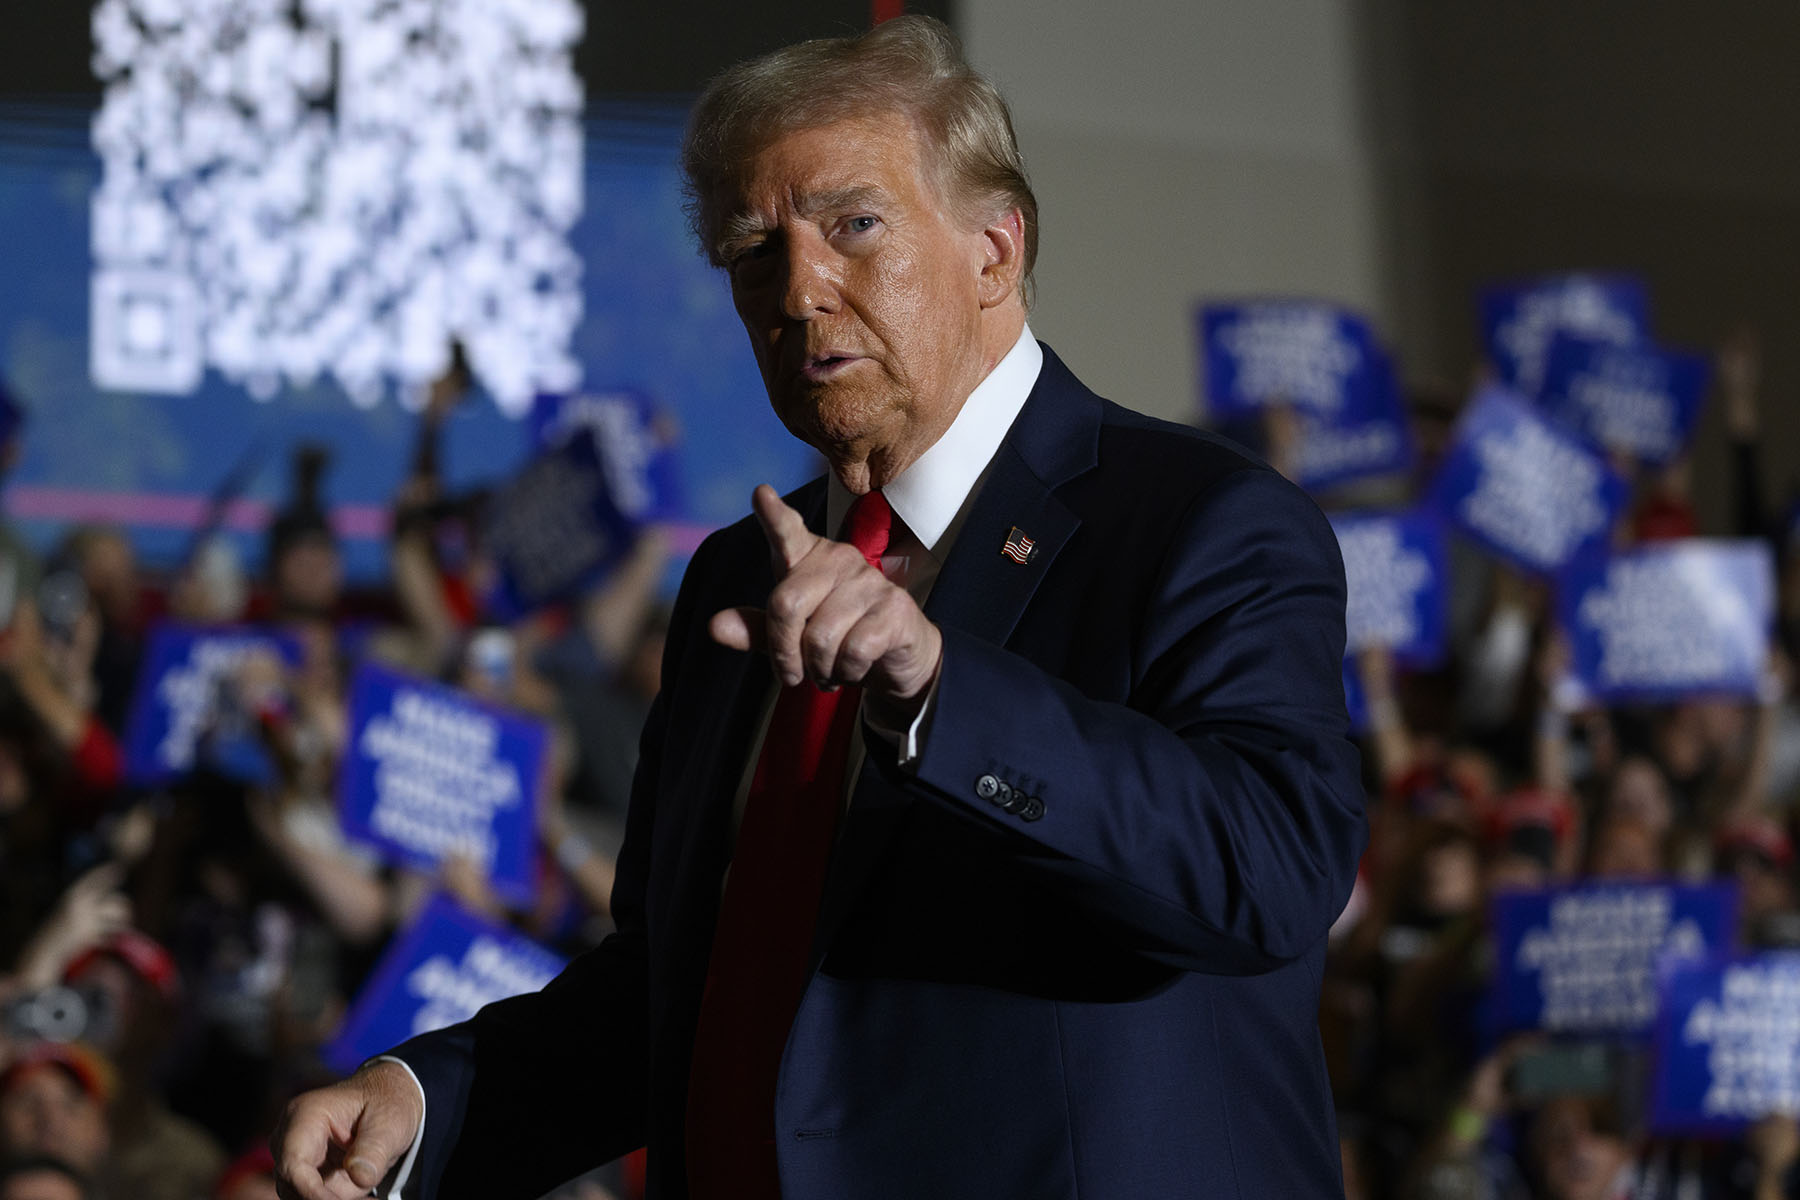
<point x="1018" y="547"/>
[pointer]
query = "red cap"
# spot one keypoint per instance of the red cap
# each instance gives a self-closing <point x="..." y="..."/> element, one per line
<point x="1530" y="808"/>
<point x="93" y="1074"/>
<point x="144" y="955"/>
<point x="1760" y="833"/>
<point x="252" y="1164"/>
<point x="1429" y="788"/>
<point x="1663" y="519"/>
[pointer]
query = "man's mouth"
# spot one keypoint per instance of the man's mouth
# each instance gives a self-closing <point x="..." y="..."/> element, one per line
<point x="824" y="366"/>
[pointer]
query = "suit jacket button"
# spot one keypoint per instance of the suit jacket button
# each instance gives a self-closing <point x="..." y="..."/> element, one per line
<point x="987" y="787"/>
<point x="1032" y="809"/>
<point x="1009" y="798"/>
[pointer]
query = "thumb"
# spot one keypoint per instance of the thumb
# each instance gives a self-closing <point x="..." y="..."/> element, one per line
<point x="739" y="628"/>
<point x="375" y="1149"/>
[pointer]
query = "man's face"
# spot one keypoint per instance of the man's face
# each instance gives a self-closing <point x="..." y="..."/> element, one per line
<point x="46" y="1112"/>
<point x="310" y="575"/>
<point x="859" y="287"/>
<point x="46" y="1184"/>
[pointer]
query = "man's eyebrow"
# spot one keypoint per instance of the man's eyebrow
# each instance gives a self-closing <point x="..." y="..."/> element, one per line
<point x="742" y="227"/>
<point x="810" y="204"/>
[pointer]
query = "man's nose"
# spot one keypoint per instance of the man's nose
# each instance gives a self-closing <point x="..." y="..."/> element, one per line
<point x="811" y="285"/>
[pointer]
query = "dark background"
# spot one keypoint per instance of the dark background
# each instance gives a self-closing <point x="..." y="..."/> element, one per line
<point x="635" y="49"/>
<point x="1511" y="139"/>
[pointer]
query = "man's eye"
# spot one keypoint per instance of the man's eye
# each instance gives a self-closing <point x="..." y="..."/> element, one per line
<point x="862" y="224"/>
<point x="746" y="254"/>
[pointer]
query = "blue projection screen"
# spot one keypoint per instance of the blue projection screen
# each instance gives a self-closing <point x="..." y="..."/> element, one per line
<point x="654" y="318"/>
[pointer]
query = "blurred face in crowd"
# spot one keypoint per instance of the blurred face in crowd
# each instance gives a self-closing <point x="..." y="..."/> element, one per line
<point x="15" y="788"/>
<point x="45" y="1111"/>
<point x="862" y="292"/>
<point x="1516" y="872"/>
<point x="1577" y="1160"/>
<point x="134" y="1027"/>
<point x="44" y="1184"/>
<point x="1450" y="880"/>
<point x="1763" y="887"/>
<point x="309" y="576"/>
<point x="109" y="569"/>
<point x="1626" y="849"/>
<point x="1676" y="479"/>
<point x="1640" y="793"/>
<point x="253" y="1187"/>
<point x="1696" y="734"/>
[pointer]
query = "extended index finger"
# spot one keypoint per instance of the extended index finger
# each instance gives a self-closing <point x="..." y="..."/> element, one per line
<point x="789" y="538"/>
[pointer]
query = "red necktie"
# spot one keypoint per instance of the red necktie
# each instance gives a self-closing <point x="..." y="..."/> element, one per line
<point x="757" y="972"/>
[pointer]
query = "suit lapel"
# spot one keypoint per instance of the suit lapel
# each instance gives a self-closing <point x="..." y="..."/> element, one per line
<point x="981" y="591"/>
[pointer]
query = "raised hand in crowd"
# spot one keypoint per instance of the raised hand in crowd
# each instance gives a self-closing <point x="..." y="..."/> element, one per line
<point x="92" y="909"/>
<point x="52" y="674"/>
<point x="1395" y="753"/>
<point x="1774" y="1146"/>
<point x="590" y="869"/>
<point x="1739" y="364"/>
<point x="1448" y="1163"/>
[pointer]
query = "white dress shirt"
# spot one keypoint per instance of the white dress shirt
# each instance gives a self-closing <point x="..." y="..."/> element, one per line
<point x="931" y="500"/>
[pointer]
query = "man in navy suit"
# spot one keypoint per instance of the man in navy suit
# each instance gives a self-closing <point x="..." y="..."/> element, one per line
<point x="1092" y="819"/>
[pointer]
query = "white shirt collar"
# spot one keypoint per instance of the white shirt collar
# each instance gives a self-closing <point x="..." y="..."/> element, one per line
<point x="928" y="495"/>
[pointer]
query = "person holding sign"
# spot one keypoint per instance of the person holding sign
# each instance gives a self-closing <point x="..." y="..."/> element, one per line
<point x="1021" y="734"/>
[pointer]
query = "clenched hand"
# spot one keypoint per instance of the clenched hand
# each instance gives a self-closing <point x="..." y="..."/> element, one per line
<point x="337" y="1142"/>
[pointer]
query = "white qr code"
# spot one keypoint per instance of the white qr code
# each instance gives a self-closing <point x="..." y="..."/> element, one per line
<point x="299" y="188"/>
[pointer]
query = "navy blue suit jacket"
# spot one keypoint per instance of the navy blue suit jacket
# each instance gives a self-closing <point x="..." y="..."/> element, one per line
<point x="1112" y="992"/>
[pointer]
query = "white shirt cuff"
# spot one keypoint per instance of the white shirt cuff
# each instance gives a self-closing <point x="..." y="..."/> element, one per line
<point x="392" y="1187"/>
<point x="909" y="742"/>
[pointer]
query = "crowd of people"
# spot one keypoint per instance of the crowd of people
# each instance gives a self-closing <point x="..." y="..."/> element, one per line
<point x="1489" y="774"/>
<point x="173" y="959"/>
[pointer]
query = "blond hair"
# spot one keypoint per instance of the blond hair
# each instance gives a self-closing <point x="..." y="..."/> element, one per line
<point x="912" y="64"/>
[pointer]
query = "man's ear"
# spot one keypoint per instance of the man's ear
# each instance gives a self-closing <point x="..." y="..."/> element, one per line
<point x="1003" y="263"/>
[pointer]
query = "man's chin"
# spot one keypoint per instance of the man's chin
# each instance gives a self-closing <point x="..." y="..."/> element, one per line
<point x="829" y="418"/>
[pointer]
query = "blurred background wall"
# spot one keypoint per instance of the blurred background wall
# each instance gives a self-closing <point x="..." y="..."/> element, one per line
<point x="1180" y="150"/>
<point x="1392" y="155"/>
<point x="1514" y="139"/>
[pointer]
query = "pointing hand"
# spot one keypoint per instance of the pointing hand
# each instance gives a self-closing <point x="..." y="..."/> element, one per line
<point x="833" y="619"/>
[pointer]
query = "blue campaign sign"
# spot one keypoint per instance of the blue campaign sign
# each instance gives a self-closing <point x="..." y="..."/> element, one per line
<point x="431" y="771"/>
<point x="1519" y="321"/>
<point x="1671" y="619"/>
<point x="1637" y="400"/>
<point x="1304" y="353"/>
<point x="1329" y="454"/>
<point x="1334" y="450"/>
<point x="447" y="964"/>
<point x="1583" y="959"/>
<point x="1526" y="489"/>
<point x="1727" y="1049"/>
<point x="1396" y="572"/>
<point x="638" y="445"/>
<point x="555" y="529"/>
<point x="186" y="712"/>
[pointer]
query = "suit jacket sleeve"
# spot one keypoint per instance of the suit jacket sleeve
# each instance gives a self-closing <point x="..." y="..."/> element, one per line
<point x="1215" y="819"/>
<point x="539" y="1088"/>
